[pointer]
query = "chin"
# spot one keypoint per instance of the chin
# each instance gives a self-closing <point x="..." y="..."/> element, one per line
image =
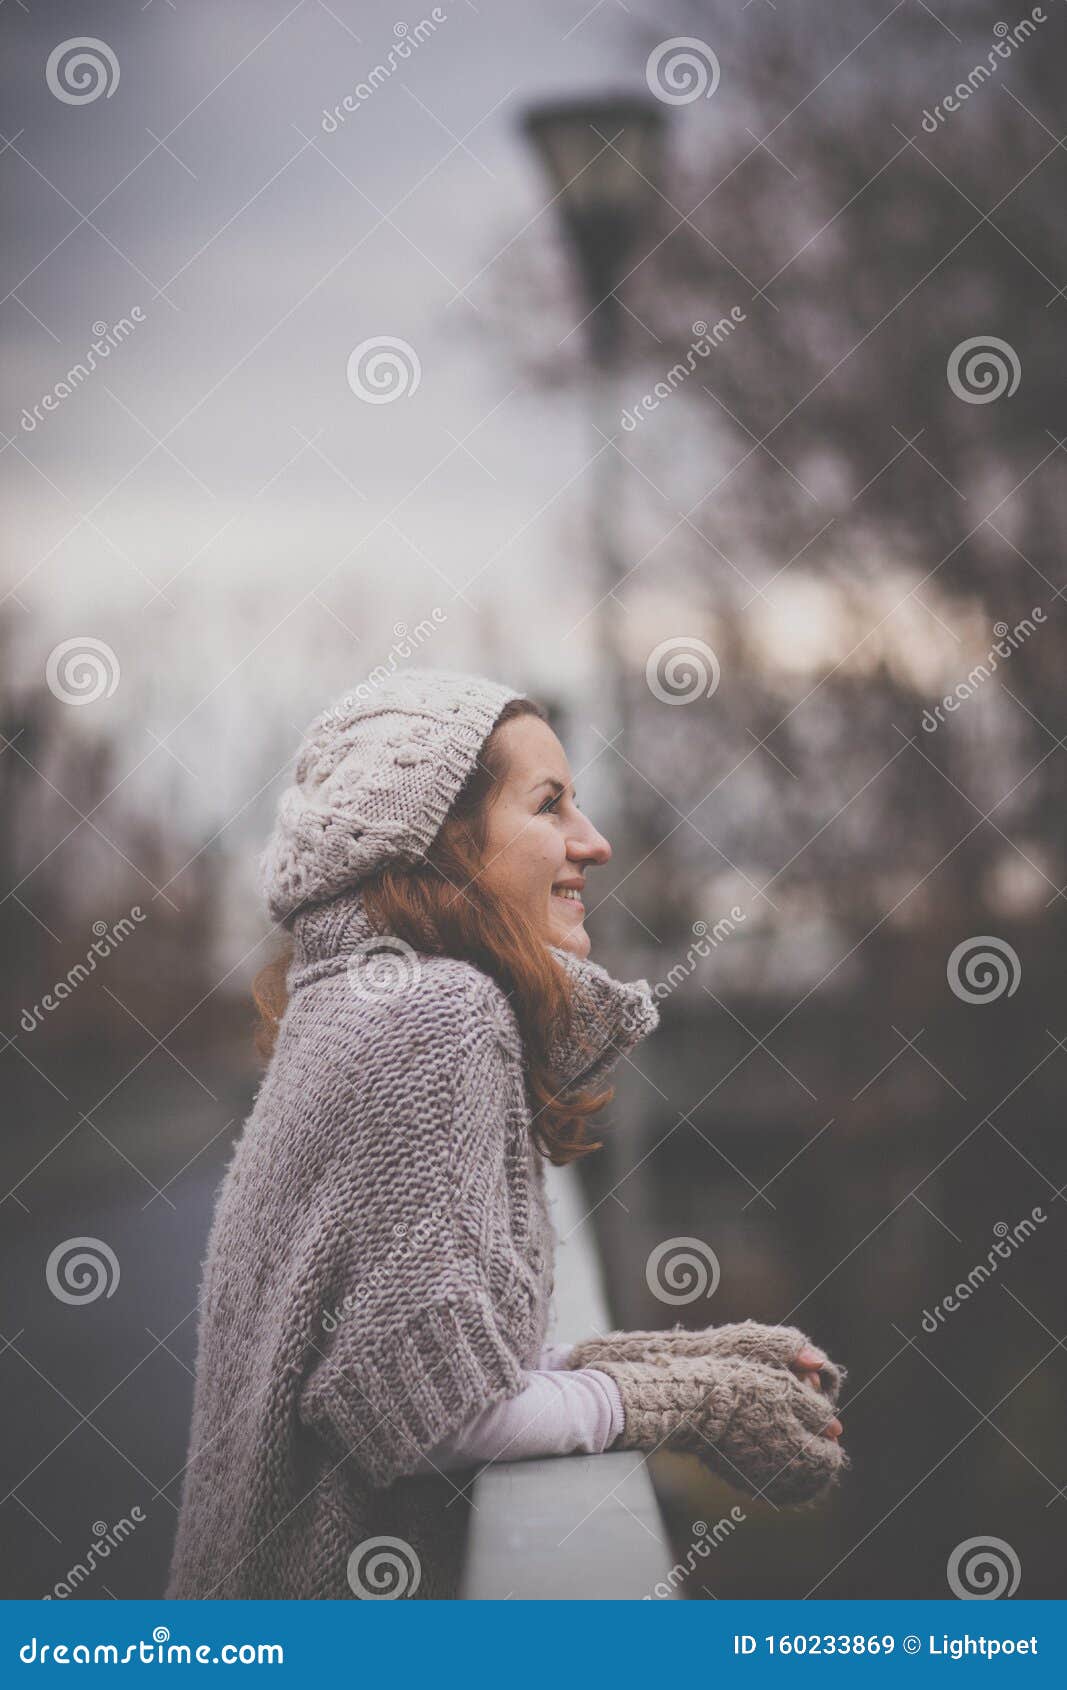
<point x="576" y="940"/>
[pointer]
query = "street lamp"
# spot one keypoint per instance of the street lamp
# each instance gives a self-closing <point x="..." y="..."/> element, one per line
<point x="603" y="159"/>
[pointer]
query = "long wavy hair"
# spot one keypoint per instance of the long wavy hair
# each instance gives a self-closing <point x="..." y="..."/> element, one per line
<point x="441" y="906"/>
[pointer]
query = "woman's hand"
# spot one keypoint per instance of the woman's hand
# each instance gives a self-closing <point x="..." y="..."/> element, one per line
<point x="783" y="1347"/>
<point x="808" y="1367"/>
<point x="754" y="1423"/>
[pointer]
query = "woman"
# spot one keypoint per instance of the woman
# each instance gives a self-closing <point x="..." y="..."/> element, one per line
<point x="379" y="1273"/>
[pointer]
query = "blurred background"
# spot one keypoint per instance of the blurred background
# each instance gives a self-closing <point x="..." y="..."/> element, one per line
<point x="698" y="370"/>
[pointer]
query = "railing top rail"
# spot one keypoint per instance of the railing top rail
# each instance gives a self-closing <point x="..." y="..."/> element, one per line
<point x="587" y="1528"/>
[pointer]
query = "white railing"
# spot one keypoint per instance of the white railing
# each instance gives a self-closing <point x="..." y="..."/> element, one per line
<point x="583" y="1527"/>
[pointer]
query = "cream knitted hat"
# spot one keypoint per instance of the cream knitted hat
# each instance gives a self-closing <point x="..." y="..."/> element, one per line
<point x="376" y="776"/>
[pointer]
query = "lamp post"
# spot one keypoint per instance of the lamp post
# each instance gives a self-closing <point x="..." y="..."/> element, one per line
<point x="603" y="159"/>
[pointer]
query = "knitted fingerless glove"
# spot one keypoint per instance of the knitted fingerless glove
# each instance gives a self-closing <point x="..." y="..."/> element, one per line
<point x="756" y="1426"/>
<point x="743" y="1340"/>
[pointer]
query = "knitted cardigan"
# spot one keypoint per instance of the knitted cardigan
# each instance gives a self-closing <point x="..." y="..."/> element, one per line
<point x="379" y="1269"/>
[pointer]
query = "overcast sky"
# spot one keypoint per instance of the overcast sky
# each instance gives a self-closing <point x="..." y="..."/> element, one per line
<point x="261" y="251"/>
<point x="215" y="502"/>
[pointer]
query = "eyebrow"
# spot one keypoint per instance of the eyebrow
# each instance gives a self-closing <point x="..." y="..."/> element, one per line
<point x="548" y="780"/>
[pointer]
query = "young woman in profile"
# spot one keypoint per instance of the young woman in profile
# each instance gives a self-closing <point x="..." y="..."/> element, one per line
<point x="379" y="1273"/>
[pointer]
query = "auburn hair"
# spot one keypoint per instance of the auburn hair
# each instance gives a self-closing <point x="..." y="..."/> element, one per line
<point x="442" y="906"/>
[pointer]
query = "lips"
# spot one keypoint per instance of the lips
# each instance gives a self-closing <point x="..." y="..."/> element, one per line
<point x="569" y="893"/>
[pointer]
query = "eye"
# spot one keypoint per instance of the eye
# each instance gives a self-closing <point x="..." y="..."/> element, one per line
<point x="549" y="804"/>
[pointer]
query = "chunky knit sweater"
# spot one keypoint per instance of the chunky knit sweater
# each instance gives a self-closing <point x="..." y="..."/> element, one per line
<point x="379" y="1269"/>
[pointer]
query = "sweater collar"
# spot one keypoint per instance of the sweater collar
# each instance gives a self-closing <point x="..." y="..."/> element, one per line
<point x="609" y="1017"/>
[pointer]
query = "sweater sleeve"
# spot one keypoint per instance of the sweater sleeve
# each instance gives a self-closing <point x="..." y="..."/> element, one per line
<point x="555" y="1413"/>
<point x="416" y="1333"/>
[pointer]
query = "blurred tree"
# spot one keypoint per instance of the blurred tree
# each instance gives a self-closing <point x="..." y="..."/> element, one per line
<point x="812" y="496"/>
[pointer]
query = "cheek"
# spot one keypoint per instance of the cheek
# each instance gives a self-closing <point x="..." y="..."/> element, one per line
<point x="539" y="857"/>
<point x="525" y="853"/>
<point x="550" y="855"/>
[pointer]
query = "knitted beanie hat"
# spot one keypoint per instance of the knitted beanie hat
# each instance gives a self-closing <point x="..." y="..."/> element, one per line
<point x="376" y="776"/>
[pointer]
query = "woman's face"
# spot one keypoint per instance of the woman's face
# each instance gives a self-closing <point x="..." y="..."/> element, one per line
<point x="539" y="843"/>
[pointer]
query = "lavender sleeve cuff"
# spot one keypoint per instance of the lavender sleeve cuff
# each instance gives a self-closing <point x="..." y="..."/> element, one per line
<point x="557" y="1412"/>
<point x="554" y="1356"/>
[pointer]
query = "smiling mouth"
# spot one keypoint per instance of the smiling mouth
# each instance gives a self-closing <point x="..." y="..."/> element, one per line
<point x="569" y="895"/>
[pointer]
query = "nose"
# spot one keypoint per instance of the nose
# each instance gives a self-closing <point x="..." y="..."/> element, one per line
<point x="587" y="844"/>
